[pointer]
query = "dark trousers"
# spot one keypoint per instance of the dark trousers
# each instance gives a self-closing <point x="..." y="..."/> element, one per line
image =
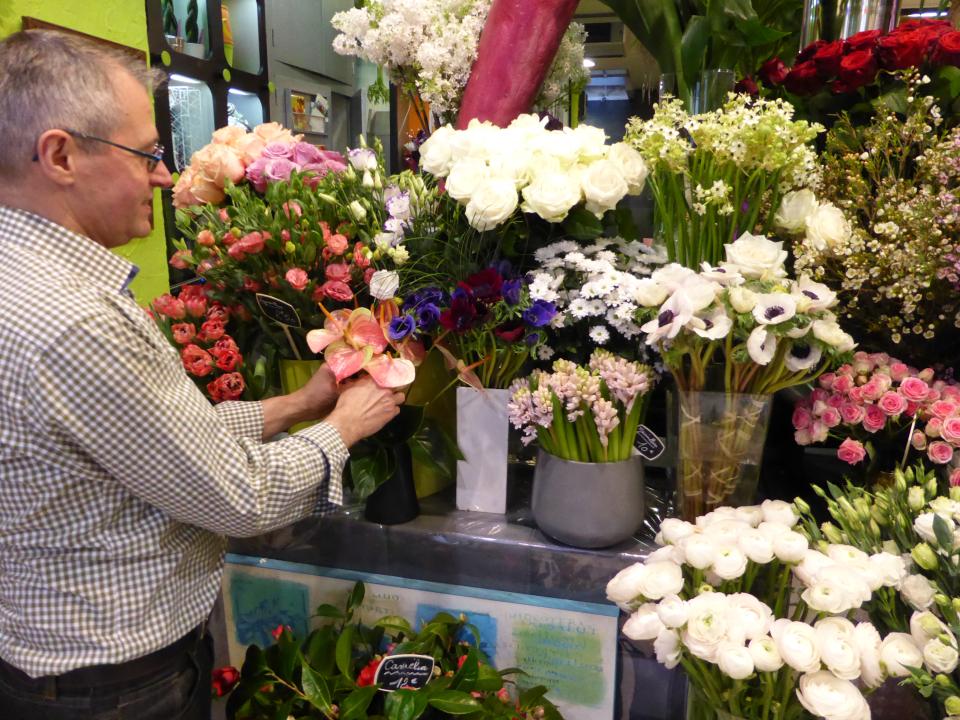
<point x="172" y="684"/>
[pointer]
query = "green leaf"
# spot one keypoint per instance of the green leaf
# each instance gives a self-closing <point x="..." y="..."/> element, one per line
<point x="321" y="650"/>
<point x="488" y="679"/>
<point x="328" y="611"/>
<point x="739" y="10"/>
<point x="454" y="702"/>
<point x="531" y="695"/>
<point x="581" y="224"/>
<point x="405" y="704"/>
<point x="756" y="34"/>
<point x="368" y="472"/>
<point x="356" y="598"/>
<point x="466" y="676"/>
<point x="345" y="651"/>
<point x="943" y="532"/>
<point x="835" y="491"/>
<point x="395" y="624"/>
<point x="693" y="46"/>
<point x="354" y="706"/>
<point x="316" y="688"/>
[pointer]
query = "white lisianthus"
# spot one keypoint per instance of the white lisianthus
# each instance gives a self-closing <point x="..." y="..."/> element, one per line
<point x="790" y="547"/>
<point x="625" y="585"/>
<point x="643" y="624"/>
<point x="357" y="210"/>
<point x="699" y="551"/>
<point x="661" y="578"/>
<point x="761" y="345"/>
<point x="631" y="166"/>
<point x="675" y="529"/>
<point x="766" y="657"/>
<point x="925" y="626"/>
<point x="795" y="208"/>
<point x="756" y="546"/>
<point x="491" y="203"/>
<point x="384" y="284"/>
<point x="673" y="611"/>
<point x="924" y="526"/>
<point x="825" y="695"/>
<point x="797" y="645"/>
<point x="734" y="660"/>
<point x="435" y="156"/>
<point x="779" y="511"/>
<point x="827" y="228"/>
<point x="729" y="563"/>
<point x="829" y="332"/>
<point x="868" y="642"/>
<point x="890" y="568"/>
<point x="844" y="554"/>
<point x="551" y="195"/>
<point x="940" y="658"/>
<point x="918" y="591"/>
<point x="751" y="614"/>
<point x="603" y="186"/>
<point x="754" y="256"/>
<point x="667" y="647"/>
<point x="898" y="652"/>
<point x="465" y="178"/>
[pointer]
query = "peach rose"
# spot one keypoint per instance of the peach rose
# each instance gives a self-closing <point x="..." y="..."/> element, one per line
<point x="231" y="135"/>
<point x="275" y="132"/>
<point x="218" y="163"/>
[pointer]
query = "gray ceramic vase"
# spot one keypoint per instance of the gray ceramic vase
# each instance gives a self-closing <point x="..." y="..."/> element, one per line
<point x="588" y="505"/>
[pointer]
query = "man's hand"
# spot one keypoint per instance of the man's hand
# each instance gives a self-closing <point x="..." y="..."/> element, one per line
<point x="311" y="402"/>
<point x="363" y="408"/>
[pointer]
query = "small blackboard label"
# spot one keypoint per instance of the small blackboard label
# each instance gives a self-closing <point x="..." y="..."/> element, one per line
<point x="404" y="671"/>
<point x="648" y="444"/>
<point x="278" y="310"/>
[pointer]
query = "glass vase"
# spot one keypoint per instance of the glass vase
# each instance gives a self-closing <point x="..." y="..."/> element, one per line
<point x="720" y="438"/>
<point x="837" y="19"/>
<point x="706" y="92"/>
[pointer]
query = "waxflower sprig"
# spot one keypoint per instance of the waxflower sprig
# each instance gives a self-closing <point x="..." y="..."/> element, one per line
<point x="587" y="414"/>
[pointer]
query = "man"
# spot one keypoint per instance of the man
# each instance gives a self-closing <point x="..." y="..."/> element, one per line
<point x="118" y="480"/>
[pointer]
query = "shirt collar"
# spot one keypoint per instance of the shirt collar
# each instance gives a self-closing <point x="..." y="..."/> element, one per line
<point x="65" y="249"/>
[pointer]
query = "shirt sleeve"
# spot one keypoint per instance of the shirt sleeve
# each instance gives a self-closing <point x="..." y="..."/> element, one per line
<point x="117" y="391"/>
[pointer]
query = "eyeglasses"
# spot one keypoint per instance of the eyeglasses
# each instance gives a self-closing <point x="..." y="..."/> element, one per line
<point x="154" y="157"/>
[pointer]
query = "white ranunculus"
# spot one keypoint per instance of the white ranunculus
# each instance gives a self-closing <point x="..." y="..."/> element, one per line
<point x="868" y="642"/>
<point x="729" y="562"/>
<point x="491" y="203"/>
<point x="675" y="529"/>
<point x="833" y="627"/>
<point x="603" y="186"/>
<point x="435" y="156"/>
<point x="630" y="164"/>
<point x="667" y="647"/>
<point x="772" y="530"/>
<point x="918" y="591"/>
<point x="811" y="564"/>
<point x="466" y="176"/>
<point x="752" y="515"/>
<point x="825" y="695"/>
<point x="829" y="332"/>
<point x="625" y="585"/>
<point x="827" y="228"/>
<point x="850" y="578"/>
<point x="766" y="657"/>
<point x="779" y="511"/>
<point x="754" y="256"/>
<point x="761" y="345"/>
<point x="661" y="578"/>
<point x="890" y="568"/>
<point x="699" y="551"/>
<point x="643" y="624"/>
<point x="741" y="299"/>
<point x="756" y="546"/>
<point x="830" y="597"/>
<point x="384" y="284"/>
<point x="846" y="554"/>
<point x="797" y="644"/>
<point x="667" y="553"/>
<point x="551" y="195"/>
<point x="673" y="611"/>
<point x="648" y="292"/>
<point x="898" y="652"/>
<point x="838" y="648"/>
<point x="794" y="209"/>
<point x="751" y="614"/>
<point x="707" y="624"/>
<point x="939" y="658"/>
<point x="734" y="660"/>
<point x="725" y="530"/>
<point x="790" y="547"/>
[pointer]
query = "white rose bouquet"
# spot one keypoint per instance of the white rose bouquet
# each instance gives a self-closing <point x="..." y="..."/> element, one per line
<point x="755" y="616"/>
<point x="745" y="329"/>
<point x="722" y="173"/>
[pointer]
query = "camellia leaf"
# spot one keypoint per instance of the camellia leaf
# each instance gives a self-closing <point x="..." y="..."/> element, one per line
<point x="354" y="706"/>
<point x="488" y="679"/>
<point x="454" y="702"/>
<point x="329" y="611"/>
<point x="345" y="651"/>
<point x="356" y="598"/>
<point x="395" y="624"/>
<point x="531" y="695"/>
<point x="405" y="704"/>
<point x="466" y="676"/>
<point x="316" y="688"/>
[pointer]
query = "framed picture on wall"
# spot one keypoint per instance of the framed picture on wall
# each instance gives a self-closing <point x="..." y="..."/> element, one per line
<point x="307" y="112"/>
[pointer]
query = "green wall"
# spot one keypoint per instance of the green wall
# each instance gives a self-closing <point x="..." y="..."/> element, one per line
<point x="124" y="22"/>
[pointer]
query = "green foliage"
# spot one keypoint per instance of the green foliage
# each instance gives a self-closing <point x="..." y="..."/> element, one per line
<point x="329" y="673"/>
<point x="169" y="18"/>
<point x="190" y="29"/>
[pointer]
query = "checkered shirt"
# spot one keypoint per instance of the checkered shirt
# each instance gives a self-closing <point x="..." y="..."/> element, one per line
<point x="118" y="479"/>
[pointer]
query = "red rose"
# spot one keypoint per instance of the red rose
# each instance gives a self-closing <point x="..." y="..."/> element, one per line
<point x="803" y="79"/>
<point x="226" y="387"/>
<point x="211" y="331"/>
<point x="947" y="50"/>
<point x="240" y="312"/>
<point x="920" y="24"/>
<point x="336" y="290"/>
<point x="196" y="360"/>
<point x="809" y="51"/>
<point x="368" y="673"/>
<point x="746" y="86"/>
<point x="827" y="59"/>
<point x="863" y="40"/>
<point x="856" y="70"/>
<point x="899" y="51"/>
<point x="223" y="680"/>
<point x="183" y="332"/>
<point x="170" y="307"/>
<point x="773" y="72"/>
<point x="338" y="271"/>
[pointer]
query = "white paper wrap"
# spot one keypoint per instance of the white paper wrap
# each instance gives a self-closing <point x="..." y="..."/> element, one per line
<point x="482" y="433"/>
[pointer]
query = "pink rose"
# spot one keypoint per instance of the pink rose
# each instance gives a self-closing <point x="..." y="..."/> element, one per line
<point x="275" y="132"/>
<point x="337" y="244"/>
<point x="873" y="419"/>
<point x="368" y="274"/>
<point x="913" y="388"/>
<point x="229" y="135"/>
<point x="297" y="278"/>
<point x="338" y="271"/>
<point x="218" y="163"/>
<point x="801" y="418"/>
<point x="883" y="380"/>
<point x="872" y="390"/>
<point x="955" y="478"/>
<point x="862" y="364"/>
<point x="830" y="417"/>
<point x="943" y="408"/>
<point x="939" y="452"/>
<point x="835" y="401"/>
<point x="802" y="437"/>
<point x="843" y="384"/>
<point x="898" y="371"/>
<point x="278" y="150"/>
<point x="304" y="153"/>
<point x="819" y="431"/>
<point x="918" y="440"/>
<point x="851" y="451"/>
<point x="851" y="413"/>
<point x="827" y="380"/>
<point x="950" y="430"/>
<point x="206" y="238"/>
<point x="336" y="290"/>
<point x="933" y="427"/>
<point x="856" y="395"/>
<point x="880" y="359"/>
<point x="893" y="403"/>
<point x="251" y="285"/>
<point x="819" y="394"/>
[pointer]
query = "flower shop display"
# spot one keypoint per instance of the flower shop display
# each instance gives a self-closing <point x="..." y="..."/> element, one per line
<point x="717" y="175"/>
<point x="755" y="615"/>
<point x="429" y="50"/>
<point x="888" y="244"/>
<point x="588" y="482"/>
<point x="731" y="336"/>
<point x="333" y="672"/>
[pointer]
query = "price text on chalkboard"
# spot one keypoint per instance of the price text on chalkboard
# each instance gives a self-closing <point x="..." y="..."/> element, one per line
<point x="648" y="444"/>
<point x="278" y="310"/>
<point x="404" y="671"/>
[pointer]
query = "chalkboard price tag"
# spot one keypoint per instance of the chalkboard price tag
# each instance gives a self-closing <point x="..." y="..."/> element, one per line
<point x="412" y="672"/>
<point x="278" y="310"/>
<point x="648" y="444"/>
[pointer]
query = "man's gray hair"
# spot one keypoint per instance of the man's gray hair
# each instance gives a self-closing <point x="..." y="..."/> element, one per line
<point x="50" y="80"/>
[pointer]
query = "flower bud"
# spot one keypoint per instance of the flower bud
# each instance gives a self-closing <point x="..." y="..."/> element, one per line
<point x="863" y="508"/>
<point x="943" y="680"/>
<point x="915" y="498"/>
<point x="326" y="198"/>
<point x="878" y="516"/>
<point x="357" y="210"/>
<point x="367" y="181"/>
<point x="924" y="556"/>
<point x="955" y="604"/>
<point x="955" y="493"/>
<point x="377" y="182"/>
<point x="819" y="491"/>
<point x="823" y="546"/>
<point x="899" y="480"/>
<point x="848" y="511"/>
<point x="704" y="588"/>
<point x="952" y="705"/>
<point x="802" y="507"/>
<point x="930" y="488"/>
<point x="832" y="533"/>
<point x="289" y="248"/>
<point x="946" y="638"/>
<point x="875" y="528"/>
<point x="236" y="232"/>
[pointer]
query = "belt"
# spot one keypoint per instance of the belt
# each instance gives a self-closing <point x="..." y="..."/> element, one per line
<point x="104" y="679"/>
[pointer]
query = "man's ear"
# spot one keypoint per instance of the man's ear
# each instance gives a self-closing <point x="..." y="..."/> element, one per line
<point x="56" y="156"/>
